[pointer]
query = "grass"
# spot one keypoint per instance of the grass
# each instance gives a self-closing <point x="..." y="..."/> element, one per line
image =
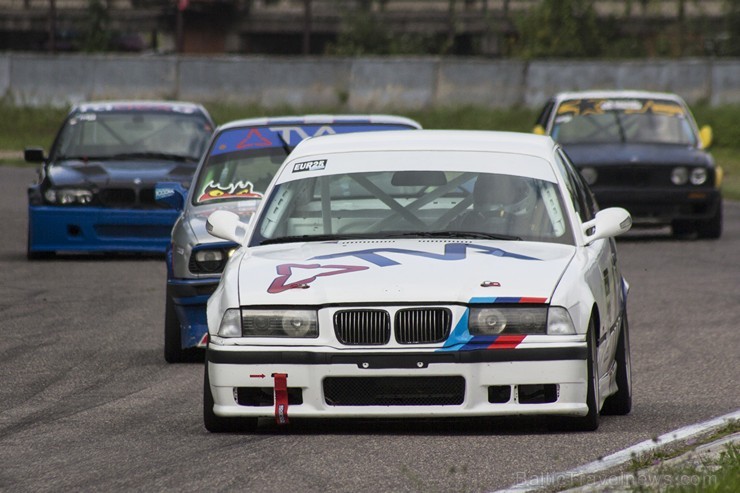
<point x="21" y="127"/>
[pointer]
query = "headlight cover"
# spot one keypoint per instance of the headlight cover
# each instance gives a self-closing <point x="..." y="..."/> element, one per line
<point x="680" y="176"/>
<point x="210" y="260"/>
<point x="68" y="196"/>
<point x="698" y="176"/>
<point x="520" y="320"/>
<point x="280" y="323"/>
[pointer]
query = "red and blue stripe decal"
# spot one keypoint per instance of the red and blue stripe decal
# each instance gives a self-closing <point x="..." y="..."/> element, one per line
<point x="461" y="340"/>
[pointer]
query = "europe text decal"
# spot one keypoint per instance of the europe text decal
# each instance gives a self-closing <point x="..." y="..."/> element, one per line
<point x="374" y="256"/>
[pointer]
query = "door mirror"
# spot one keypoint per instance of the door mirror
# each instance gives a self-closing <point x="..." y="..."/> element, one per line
<point x="706" y="135"/>
<point x="227" y="226"/>
<point x="34" y="155"/>
<point x="610" y="222"/>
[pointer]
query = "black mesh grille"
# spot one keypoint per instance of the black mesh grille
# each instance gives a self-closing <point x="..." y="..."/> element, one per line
<point x="422" y="325"/>
<point x="367" y="327"/>
<point x="394" y="391"/>
<point x="117" y="197"/>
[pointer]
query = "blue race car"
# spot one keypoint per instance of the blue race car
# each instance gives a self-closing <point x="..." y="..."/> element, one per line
<point x="241" y="160"/>
<point x="95" y="190"/>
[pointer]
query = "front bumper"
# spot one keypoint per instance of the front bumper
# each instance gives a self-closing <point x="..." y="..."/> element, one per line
<point x="190" y="297"/>
<point x="95" y="229"/>
<point x="540" y="380"/>
<point x="661" y="206"/>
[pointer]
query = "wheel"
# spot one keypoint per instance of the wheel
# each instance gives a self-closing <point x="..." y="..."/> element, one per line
<point x="217" y="424"/>
<point x="173" y="350"/>
<point x="621" y="402"/>
<point x="711" y="228"/>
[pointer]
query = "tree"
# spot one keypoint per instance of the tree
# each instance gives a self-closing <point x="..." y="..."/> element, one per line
<point x="559" y="28"/>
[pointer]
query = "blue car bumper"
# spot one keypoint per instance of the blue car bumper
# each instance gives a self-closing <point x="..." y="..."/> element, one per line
<point x="190" y="297"/>
<point x="94" y="229"/>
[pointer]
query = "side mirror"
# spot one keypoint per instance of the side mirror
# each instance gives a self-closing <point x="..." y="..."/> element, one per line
<point x="539" y="130"/>
<point x="610" y="222"/>
<point x="706" y="135"/>
<point x="227" y="226"/>
<point x="34" y="155"/>
<point x="171" y="193"/>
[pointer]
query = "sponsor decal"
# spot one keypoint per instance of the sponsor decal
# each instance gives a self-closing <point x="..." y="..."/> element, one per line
<point x="584" y="107"/>
<point x="315" y="165"/>
<point x="452" y="252"/>
<point x="238" y="190"/>
<point x="160" y="193"/>
<point x="288" y="271"/>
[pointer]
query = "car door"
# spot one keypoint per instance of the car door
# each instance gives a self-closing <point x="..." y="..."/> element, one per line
<point x="603" y="275"/>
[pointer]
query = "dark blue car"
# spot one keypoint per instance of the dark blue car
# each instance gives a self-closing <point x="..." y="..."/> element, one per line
<point x="644" y="152"/>
<point x="95" y="190"/>
<point x="240" y="163"/>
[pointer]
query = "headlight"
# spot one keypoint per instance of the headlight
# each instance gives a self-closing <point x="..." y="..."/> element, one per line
<point x="507" y="320"/>
<point x="68" y="196"/>
<point x="280" y="323"/>
<point x="590" y="175"/>
<point x="698" y="176"/>
<point x="679" y="176"/>
<point x="210" y="260"/>
<point x="554" y="320"/>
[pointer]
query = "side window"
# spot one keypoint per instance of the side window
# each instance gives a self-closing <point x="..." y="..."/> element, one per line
<point x="580" y="194"/>
<point x="545" y="114"/>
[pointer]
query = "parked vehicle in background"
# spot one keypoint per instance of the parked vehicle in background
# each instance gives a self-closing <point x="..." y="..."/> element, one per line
<point x="240" y="163"/>
<point x="642" y="151"/>
<point x="95" y="190"/>
<point x="420" y="274"/>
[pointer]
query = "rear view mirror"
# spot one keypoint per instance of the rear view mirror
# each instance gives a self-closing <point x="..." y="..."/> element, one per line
<point x="609" y="222"/>
<point x="418" y="179"/>
<point x="227" y="226"/>
<point x="706" y="135"/>
<point x="34" y="155"/>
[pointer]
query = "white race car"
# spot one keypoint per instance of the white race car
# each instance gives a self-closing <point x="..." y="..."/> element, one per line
<point x="435" y="273"/>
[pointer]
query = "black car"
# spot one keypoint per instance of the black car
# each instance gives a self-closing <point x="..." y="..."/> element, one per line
<point x="95" y="190"/>
<point x="642" y="151"/>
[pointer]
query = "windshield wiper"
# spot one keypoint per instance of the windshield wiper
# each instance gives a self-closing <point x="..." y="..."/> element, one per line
<point x="302" y="238"/>
<point x="151" y="155"/>
<point x="454" y="234"/>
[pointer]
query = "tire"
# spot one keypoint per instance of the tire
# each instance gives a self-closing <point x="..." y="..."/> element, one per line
<point x="173" y="350"/>
<point x="711" y="228"/>
<point x="217" y="424"/>
<point x="621" y="402"/>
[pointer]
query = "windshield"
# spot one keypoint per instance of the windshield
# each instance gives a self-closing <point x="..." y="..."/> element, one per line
<point x="239" y="175"/>
<point x="619" y="121"/>
<point x="414" y="204"/>
<point x="130" y="135"/>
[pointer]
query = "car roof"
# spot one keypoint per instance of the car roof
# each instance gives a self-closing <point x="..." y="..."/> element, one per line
<point x="429" y="140"/>
<point x="134" y="105"/>
<point x="617" y="93"/>
<point x="321" y="119"/>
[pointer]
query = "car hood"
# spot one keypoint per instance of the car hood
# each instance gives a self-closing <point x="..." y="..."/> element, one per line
<point x="196" y="217"/>
<point x="109" y="173"/>
<point x="621" y="154"/>
<point x="391" y="271"/>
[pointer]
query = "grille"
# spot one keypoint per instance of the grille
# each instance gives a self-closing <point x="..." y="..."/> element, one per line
<point x="132" y="231"/>
<point x="422" y="325"/>
<point x="371" y="327"/>
<point x="394" y="391"/>
<point x="128" y="198"/>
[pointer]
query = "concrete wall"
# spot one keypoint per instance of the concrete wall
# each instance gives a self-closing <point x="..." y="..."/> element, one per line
<point x="356" y="84"/>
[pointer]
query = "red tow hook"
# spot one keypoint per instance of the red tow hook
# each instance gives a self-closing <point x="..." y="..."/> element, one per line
<point x="281" y="398"/>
